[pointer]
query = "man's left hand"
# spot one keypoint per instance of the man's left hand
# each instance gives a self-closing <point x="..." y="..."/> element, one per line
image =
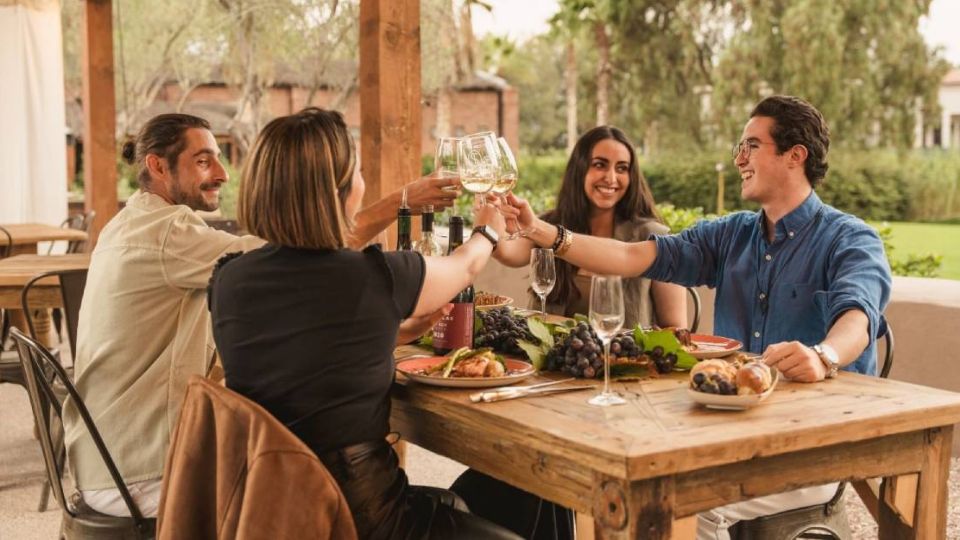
<point x="796" y="361"/>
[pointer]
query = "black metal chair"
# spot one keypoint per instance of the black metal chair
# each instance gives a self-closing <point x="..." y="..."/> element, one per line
<point x="41" y="372"/>
<point x="6" y="245"/>
<point x="79" y="222"/>
<point x="72" y="283"/>
<point x="695" y="296"/>
<point x="827" y="521"/>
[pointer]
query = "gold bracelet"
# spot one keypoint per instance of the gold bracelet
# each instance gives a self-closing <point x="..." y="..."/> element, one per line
<point x="567" y="242"/>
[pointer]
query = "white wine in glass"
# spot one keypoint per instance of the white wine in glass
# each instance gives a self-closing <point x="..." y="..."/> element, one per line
<point x="543" y="275"/>
<point x="606" y="317"/>
<point x="479" y="164"/>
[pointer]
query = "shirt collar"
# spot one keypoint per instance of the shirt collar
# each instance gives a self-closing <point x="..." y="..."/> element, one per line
<point x="146" y="200"/>
<point x="797" y="219"/>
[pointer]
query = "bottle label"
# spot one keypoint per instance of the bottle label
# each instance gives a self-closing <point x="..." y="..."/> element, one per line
<point x="456" y="329"/>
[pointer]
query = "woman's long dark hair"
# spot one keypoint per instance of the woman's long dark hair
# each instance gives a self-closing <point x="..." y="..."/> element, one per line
<point x="574" y="208"/>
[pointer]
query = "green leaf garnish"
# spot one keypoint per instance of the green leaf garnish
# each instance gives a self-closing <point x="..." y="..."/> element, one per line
<point x="542" y="332"/>
<point x="536" y="353"/>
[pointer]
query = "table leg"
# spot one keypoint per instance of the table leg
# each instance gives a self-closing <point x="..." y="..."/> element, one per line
<point x="628" y="510"/>
<point x="929" y="515"/>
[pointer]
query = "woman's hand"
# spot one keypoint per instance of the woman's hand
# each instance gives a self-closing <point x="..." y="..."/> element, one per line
<point x="432" y="190"/>
<point x="414" y="327"/>
<point x="525" y="218"/>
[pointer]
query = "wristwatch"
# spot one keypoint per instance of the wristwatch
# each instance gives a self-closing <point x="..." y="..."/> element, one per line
<point x="829" y="358"/>
<point x="488" y="233"/>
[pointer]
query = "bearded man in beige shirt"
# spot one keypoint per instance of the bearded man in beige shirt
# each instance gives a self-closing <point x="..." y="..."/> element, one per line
<point x="144" y="327"/>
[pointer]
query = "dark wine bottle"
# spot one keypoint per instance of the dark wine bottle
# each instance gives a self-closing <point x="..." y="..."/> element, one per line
<point x="455" y="330"/>
<point x="404" y="241"/>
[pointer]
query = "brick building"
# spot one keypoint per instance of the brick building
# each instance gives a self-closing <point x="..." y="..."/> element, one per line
<point x="485" y="102"/>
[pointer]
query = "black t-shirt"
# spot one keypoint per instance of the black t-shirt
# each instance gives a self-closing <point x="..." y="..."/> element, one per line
<point x="309" y="335"/>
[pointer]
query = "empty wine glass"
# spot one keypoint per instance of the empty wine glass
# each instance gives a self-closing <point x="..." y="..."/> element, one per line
<point x="479" y="164"/>
<point x="606" y="317"/>
<point x="543" y="275"/>
<point x="507" y="178"/>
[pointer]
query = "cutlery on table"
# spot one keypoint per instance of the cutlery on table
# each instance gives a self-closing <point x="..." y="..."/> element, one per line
<point x="500" y="395"/>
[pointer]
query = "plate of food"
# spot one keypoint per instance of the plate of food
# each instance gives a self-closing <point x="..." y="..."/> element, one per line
<point x="731" y="386"/>
<point x="465" y="368"/>
<point x="488" y="300"/>
<point x="702" y="346"/>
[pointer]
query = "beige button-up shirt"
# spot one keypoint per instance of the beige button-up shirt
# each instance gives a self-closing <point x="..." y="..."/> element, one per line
<point x="144" y="329"/>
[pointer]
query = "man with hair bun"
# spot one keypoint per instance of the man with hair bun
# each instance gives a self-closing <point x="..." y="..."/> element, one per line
<point x="144" y="328"/>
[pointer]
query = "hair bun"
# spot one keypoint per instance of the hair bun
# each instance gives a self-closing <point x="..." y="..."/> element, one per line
<point x="129" y="152"/>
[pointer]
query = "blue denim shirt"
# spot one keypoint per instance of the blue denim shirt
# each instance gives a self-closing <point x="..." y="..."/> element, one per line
<point x="820" y="264"/>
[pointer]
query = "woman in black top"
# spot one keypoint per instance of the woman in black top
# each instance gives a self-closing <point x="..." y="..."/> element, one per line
<point x="306" y="327"/>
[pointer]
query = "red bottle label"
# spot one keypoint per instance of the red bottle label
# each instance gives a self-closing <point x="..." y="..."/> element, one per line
<point x="454" y="330"/>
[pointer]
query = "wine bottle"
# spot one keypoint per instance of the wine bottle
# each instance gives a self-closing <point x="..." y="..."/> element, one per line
<point x="455" y="330"/>
<point x="427" y="245"/>
<point x="404" y="243"/>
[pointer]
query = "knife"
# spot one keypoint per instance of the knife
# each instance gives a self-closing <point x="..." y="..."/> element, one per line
<point x="478" y="396"/>
<point x="501" y="395"/>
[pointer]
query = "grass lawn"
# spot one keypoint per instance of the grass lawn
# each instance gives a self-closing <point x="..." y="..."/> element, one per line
<point x="923" y="238"/>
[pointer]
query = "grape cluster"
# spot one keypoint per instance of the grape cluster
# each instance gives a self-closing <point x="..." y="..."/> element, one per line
<point x="501" y="329"/>
<point x="580" y="353"/>
<point x="663" y="362"/>
<point x="713" y="384"/>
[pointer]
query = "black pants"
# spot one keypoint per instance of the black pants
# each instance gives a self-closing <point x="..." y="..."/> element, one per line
<point x="523" y="513"/>
<point x="385" y="506"/>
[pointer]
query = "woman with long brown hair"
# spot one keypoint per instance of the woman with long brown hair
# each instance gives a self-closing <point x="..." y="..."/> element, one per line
<point x="306" y="327"/>
<point x="604" y="194"/>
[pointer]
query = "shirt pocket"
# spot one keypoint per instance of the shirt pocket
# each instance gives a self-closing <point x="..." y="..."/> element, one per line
<point x="803" y="311"/>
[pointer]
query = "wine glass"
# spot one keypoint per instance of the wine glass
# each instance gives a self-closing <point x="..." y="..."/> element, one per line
<point x="606" y="317"/>
<point x="507" y="178"/>
<point x="446" y="161"/>
<point x="544" y="275"/>
<point x="479" y="164"/>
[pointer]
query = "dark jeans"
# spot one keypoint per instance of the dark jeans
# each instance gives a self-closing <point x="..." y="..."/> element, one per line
<point x="385" y="506"/>
<point x="523" y="513"/>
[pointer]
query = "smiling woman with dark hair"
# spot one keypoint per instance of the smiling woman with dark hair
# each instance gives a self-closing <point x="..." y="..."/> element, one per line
<point x="604" y="194"/>
<point x="306" y="326"/>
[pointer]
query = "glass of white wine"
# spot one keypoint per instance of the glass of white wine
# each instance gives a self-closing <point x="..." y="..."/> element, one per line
<point x="479" y="164"/>
<point x="543" y="275"/>
<point x="606" y="317"/>
<point x="508" y="175"/>
<point x="446" y="161"/>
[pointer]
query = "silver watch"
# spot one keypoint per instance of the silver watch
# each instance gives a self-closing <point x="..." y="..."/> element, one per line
<point x="829" y="358"/>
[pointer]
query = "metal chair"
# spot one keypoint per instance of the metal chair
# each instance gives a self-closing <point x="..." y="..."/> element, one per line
<point x="41" y="371"/>
<point x="6" y="245"/>
<point x="72" y="283"/>
<point x="695" y="296"/>
<point x="827" y="521"/>
<point x="79" y="222"/>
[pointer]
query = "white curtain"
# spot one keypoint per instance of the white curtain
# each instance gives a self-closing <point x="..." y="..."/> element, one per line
<point x="33" y="167"/>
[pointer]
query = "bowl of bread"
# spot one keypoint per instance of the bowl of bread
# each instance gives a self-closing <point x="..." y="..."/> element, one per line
<point x="733" y="385"/>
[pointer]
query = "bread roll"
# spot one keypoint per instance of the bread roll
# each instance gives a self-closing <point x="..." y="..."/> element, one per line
<point x="753" y="378"/>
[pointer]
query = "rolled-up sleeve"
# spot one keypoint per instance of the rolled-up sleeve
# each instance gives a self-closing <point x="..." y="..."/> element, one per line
<point x="859" y="278"/>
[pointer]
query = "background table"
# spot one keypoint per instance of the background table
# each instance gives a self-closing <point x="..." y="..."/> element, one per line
<point x="26" y="236"/>
<point x="638" y="467"/>
<point x="16" y="271"/>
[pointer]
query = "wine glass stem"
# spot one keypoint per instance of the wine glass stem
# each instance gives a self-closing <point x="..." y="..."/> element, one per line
<point x="478" y="199"/>
<point x="543" y="306"/>
<point x="606" y="366"/>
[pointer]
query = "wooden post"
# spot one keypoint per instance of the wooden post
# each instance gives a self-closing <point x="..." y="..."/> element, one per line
<point x="99" y="115"/>
<point x="390" y="115"/>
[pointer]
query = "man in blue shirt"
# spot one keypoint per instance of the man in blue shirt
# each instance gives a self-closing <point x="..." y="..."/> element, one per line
<point x="798" y="281"/>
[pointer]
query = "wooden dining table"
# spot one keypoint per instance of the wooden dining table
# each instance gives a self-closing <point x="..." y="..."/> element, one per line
<point x="645" y="469"/>
<point x="18" y="270"/>
<point x="26" y="236"/>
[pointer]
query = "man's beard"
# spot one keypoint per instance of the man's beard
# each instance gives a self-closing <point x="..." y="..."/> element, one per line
<point x="194" y="201"/>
